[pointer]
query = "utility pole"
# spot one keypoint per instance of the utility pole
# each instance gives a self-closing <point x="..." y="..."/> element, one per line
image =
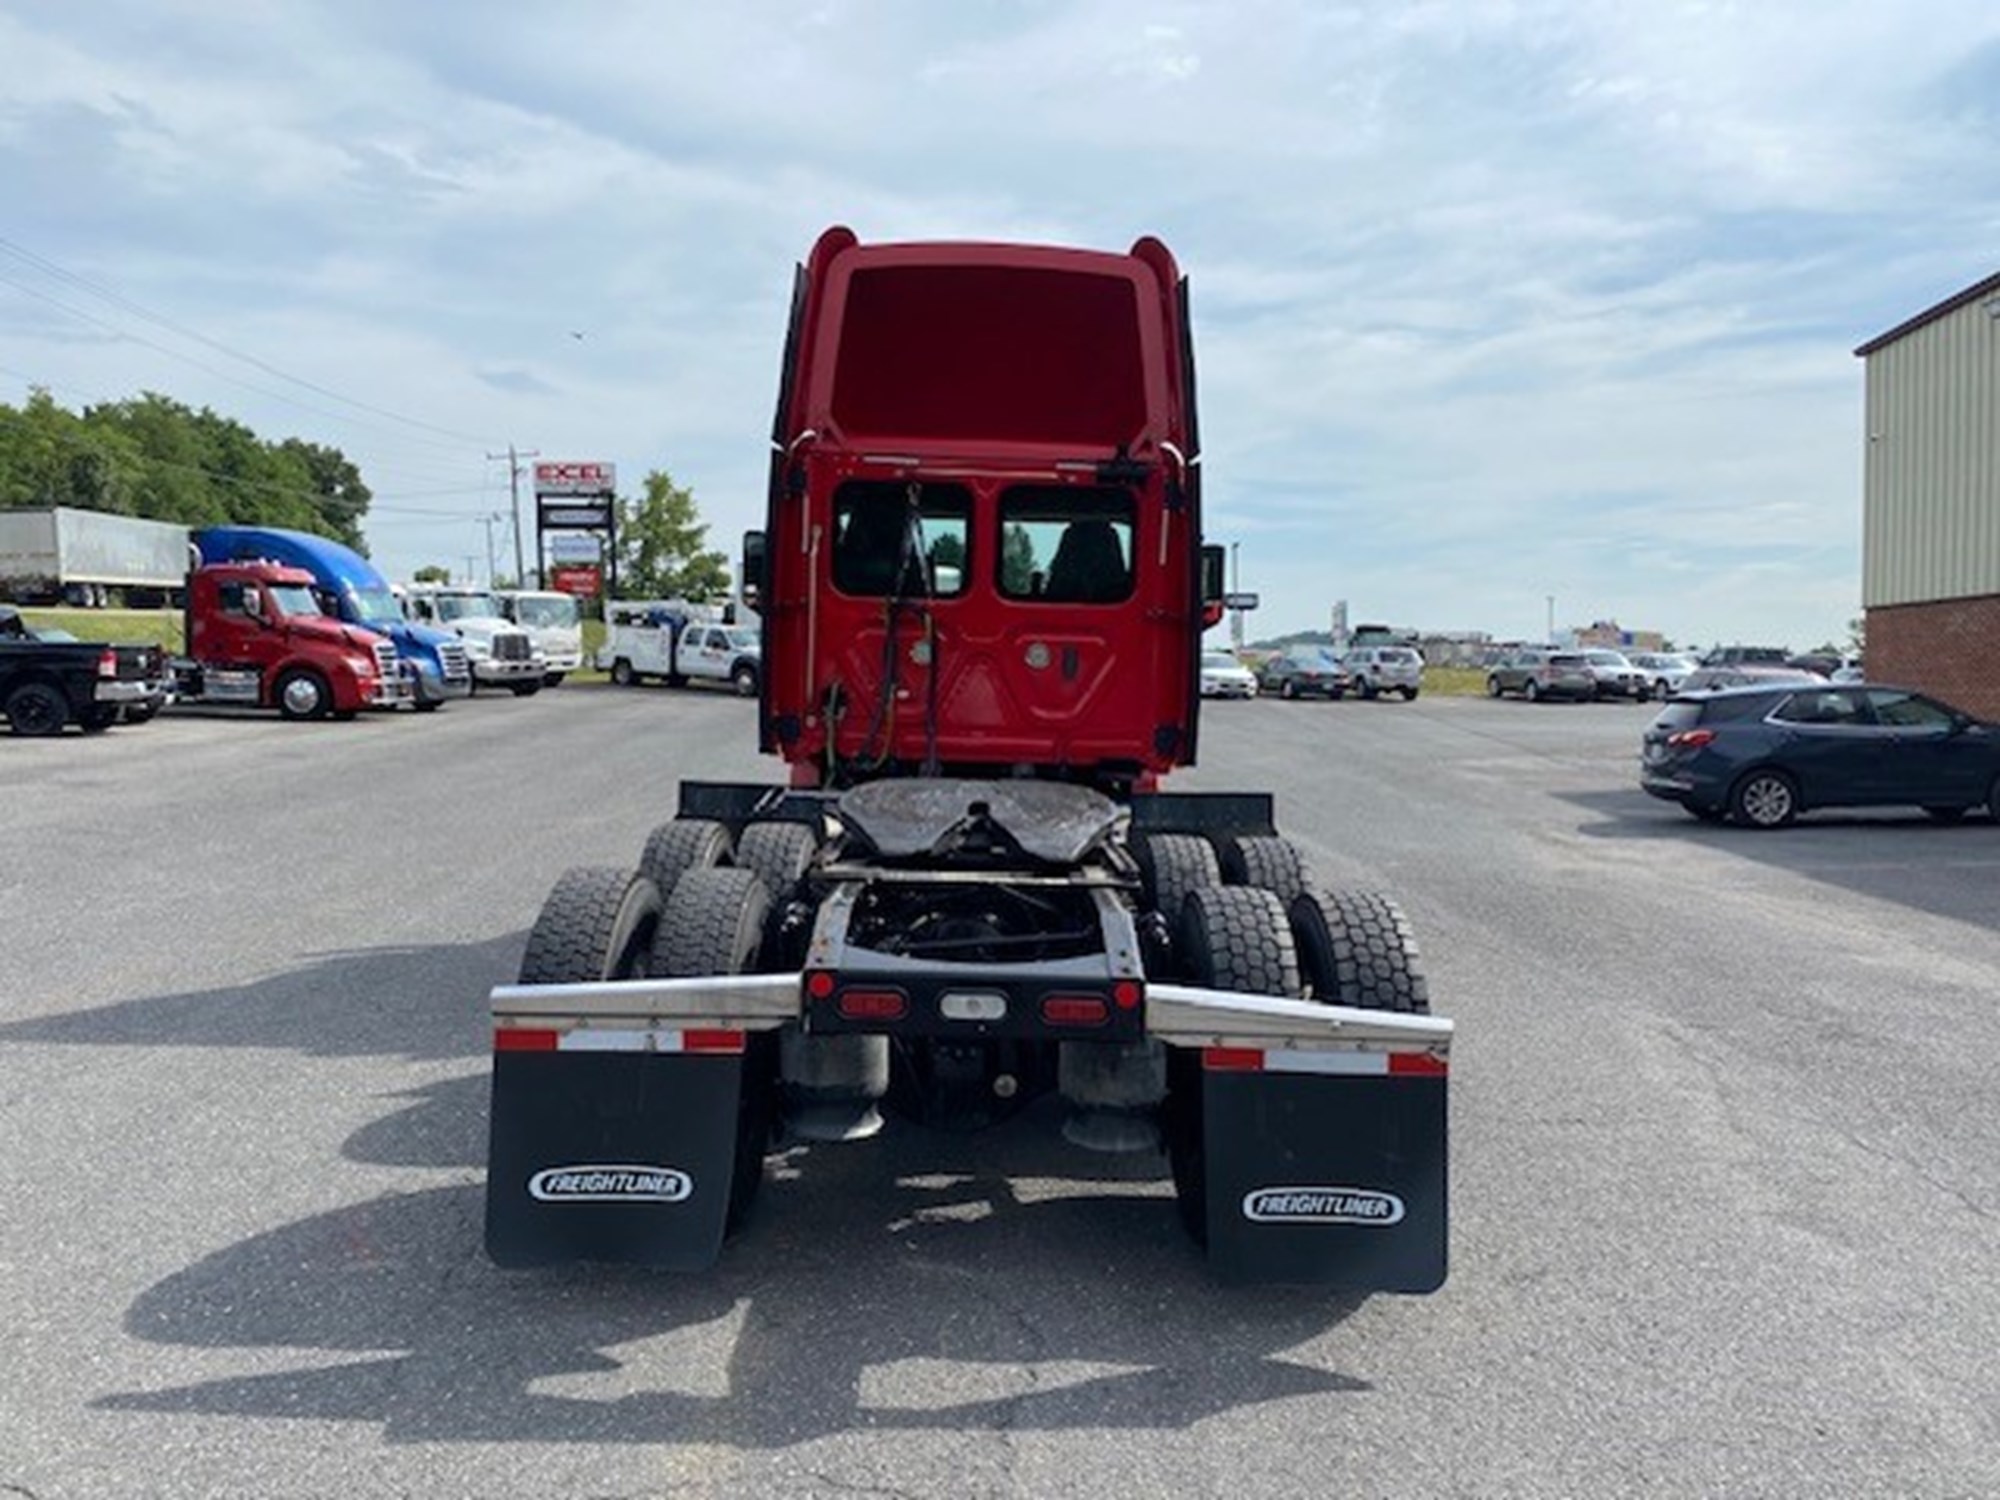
<point x="514" y="457"/>
<point x="488" y="521"/>
<point x="1552" y="617"/>
<point x="469" y="574"/>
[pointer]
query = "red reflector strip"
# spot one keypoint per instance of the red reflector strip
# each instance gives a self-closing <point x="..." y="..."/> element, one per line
<point x="1417" y="1065"/>
<point x="1327" y="1063"/>
<point x="604" y="1039"/>
<point x="709" y="1041"/>
<point x="1075" y="1010"/>
<point x="1233" y="1059"/>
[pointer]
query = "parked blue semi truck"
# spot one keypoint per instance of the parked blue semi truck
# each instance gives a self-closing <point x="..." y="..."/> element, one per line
<point x="350" y="589"/>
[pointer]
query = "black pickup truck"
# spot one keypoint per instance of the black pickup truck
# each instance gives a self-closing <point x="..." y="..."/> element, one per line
<point x="49" y="679"/>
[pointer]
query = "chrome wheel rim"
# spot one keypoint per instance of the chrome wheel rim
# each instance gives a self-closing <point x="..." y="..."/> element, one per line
<point x="1767" y="801"/>
<point x="301" y="695"/>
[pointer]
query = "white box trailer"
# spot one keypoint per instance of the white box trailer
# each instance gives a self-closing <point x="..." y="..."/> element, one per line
<point x="58" y="554"/>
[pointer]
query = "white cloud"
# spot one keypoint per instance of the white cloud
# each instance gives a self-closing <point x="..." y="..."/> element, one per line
<point x="1493" y="299"/>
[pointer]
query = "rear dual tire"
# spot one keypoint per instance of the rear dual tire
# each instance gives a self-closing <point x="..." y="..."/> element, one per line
<point x="1349" y="948"/>
<point x="685" y="844"/>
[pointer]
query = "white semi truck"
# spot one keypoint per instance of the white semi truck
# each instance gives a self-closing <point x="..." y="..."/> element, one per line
<point x="553" y="623"/>
<point x="501" y="654"/>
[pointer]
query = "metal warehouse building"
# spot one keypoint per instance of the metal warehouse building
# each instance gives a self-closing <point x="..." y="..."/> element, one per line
<point x="1930" y="568"/>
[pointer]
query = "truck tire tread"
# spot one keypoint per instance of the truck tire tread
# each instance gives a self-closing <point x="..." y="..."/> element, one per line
<point x="1357" y="949"/>
<point x="1268" y="861"/>
<point x="1236" y="937"/>
<point x="1170" y="866"/>
<point x="597" y="923"/>
<point x="685" y="844"/>
<point x="780" y="853"/>
<point x="713" y="923"/>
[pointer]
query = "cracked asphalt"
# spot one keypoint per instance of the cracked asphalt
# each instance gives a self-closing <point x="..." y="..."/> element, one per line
<point x="1726" y="1166"/>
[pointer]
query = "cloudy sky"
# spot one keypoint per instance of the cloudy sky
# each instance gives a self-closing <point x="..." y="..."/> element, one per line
<point x="1495" y="300"/>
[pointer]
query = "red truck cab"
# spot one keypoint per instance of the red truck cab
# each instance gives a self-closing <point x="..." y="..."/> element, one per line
<point x="256" y="636"/>
<point x="982" y="552"/>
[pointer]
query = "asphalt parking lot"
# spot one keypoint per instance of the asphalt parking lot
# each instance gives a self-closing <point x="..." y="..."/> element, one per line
<point x="1726" y="1170"/>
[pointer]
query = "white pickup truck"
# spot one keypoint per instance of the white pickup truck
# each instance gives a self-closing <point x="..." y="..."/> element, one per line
<point x="650" y="638"/>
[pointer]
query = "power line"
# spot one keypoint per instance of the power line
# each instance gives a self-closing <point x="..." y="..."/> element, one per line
<point x="117" y="299"/>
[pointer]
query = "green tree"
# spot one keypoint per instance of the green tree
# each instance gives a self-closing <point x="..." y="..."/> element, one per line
<point x="660" y="546"/>
<point x="948" y="552"/>
<point x="431" y="573"/>
<point x="1857" y="635"/>
<point x="156" y="457"/>
<point x="1017" y="560"/>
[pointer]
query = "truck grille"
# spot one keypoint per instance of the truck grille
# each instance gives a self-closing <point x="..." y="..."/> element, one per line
<point x="385" y="660"/>
<point x="451" y="656"/>
<point x="511" y="646"/>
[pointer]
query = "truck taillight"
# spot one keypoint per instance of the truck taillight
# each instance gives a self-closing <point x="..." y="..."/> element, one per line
<point x="107" y="663"/>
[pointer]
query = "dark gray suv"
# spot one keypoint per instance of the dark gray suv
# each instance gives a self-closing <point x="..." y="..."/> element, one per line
<point x="1763" y="755"/>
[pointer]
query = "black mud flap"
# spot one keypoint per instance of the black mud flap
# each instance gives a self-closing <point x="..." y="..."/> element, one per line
<point x="621" y="1156"/>
<point x="1327" y="1178"/>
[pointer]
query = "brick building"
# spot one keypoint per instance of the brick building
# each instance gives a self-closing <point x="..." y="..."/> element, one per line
<point x="1930" y="566"/>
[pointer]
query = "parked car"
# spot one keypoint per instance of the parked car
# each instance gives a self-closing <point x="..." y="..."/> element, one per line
<point x="1614" y="675"/>
<point x="1223" y="676"/>
<point x="1538" y="672"/>
<point x="1305" y="671"/>
<point x="1708" y="679"/>
<point x="1745" y="656"/>
<point x="1665" y="670"/>
<point x="1761" y="755"/>
<point x="1375" y="670"/>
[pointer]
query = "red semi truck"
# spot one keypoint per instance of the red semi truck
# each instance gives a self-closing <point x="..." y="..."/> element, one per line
<point x="984" y="589"/>
<point x="256" y="638"/>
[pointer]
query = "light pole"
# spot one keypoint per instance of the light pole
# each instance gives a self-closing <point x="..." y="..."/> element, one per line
<point x="1552" y="618"/>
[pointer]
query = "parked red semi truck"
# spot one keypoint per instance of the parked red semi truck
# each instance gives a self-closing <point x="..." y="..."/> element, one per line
<point x="984" y="589"/>
<point x="256" y="638"/>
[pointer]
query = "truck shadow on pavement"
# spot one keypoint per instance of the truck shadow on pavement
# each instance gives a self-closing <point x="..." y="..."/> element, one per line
<point x="920" y="1281"/>
<point x="862" y="1295"/>
<point x="421" y="1003"/>
<point x="1897" y="854"/>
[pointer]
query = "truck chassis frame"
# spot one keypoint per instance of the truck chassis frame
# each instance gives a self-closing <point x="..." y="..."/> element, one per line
<point x="1172" y="1008"/>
